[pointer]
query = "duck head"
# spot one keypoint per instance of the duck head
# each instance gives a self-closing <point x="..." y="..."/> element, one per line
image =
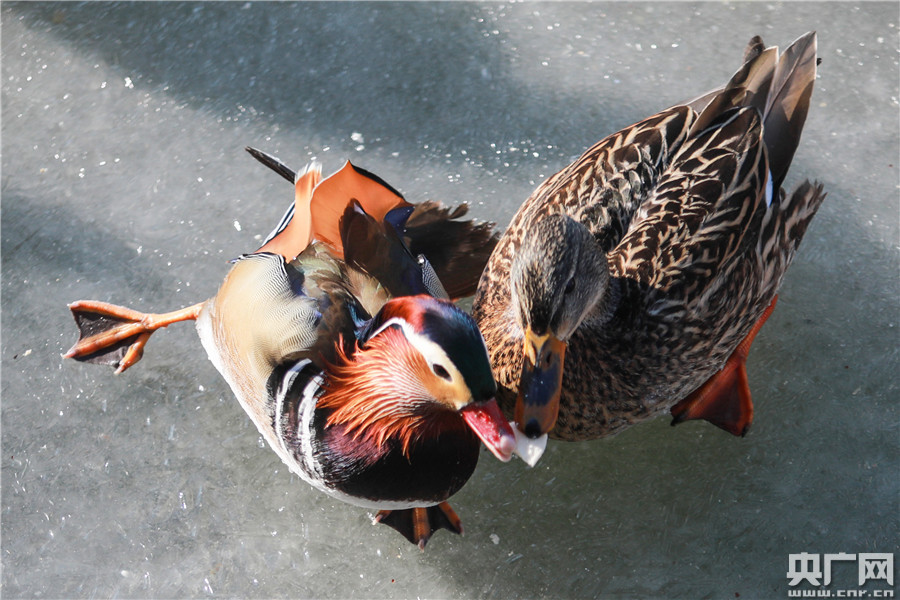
<point x="421" y="369"/>
<point x="559" y="276"/>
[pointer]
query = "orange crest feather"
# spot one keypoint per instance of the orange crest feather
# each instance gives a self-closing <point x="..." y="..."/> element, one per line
<point x="298" y="233"/>
<point x="379" y="393"/>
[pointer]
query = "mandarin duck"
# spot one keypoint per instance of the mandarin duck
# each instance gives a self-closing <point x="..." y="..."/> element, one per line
<point x="634" y="280"/>
<point x="339" y="342"/>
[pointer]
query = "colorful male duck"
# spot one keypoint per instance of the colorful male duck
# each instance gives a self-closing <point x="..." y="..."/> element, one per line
<point x="339" y="342"/>
<point x="634" y="280"/>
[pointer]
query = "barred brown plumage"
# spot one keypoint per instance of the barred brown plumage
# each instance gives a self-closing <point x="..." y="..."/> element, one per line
<point x="690" y="235"/>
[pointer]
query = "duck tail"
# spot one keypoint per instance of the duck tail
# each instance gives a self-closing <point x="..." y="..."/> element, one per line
<point x="795" y="211"/>
<point x="787" y="104"/>
<point x="778" y="86"/>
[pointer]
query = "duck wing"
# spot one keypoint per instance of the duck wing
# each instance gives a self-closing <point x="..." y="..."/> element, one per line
<point x="454" y="251"/>
<point x="269" y="312"/>
<point x="319" y="204"/>
<point x="709" y="248"/>
<point x="376" y="248"/>
<point x="697" y="217"/>
<point x="718" y="203"/>
<point x="457" y="249"/>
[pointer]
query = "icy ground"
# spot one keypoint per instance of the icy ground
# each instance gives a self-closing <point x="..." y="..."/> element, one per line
<point x="124" y="179"/>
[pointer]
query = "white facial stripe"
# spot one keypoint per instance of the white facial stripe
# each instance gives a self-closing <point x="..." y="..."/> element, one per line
<point x="430" y="351"/>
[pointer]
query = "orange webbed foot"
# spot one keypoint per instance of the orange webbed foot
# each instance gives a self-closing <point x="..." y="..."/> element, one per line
<point x="116" y="335"/>
<point x="724" y="399"/>
<point x="418" y="524"/>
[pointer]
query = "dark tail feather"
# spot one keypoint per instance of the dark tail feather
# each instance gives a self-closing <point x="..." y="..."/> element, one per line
<point x="788" y="103"/>
<point x="273" y="163"/>
<point x="457" y="250"/>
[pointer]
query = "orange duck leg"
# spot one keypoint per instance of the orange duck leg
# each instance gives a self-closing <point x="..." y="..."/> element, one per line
<point x="724" y="400"/>
<point x="115" y="335"/>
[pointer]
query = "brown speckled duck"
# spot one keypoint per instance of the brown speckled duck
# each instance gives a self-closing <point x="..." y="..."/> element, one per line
<point x="634" y="280"/>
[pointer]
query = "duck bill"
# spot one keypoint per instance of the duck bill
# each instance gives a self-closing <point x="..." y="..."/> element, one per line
<point x="540" y="384"/>
<point x="486" y="420"/>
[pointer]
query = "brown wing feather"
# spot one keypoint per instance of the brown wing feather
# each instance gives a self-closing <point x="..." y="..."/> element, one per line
<point x="788" y="104"/>
<point x="698" y="215"/>
<point x="374" y="247"/>
<point x="754" y="48"/>
<point x="457" y="250"/>
<point x="749" y="86"/>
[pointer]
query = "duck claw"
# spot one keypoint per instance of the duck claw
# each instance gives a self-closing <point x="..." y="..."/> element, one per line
<point x="418" y="524"/>
<point x="134" y="353"/>
<point x="115" y="335"/>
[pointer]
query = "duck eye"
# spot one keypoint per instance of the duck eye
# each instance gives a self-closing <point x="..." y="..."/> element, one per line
<point x="440" y="371"/>
<point x="570" y="287"/>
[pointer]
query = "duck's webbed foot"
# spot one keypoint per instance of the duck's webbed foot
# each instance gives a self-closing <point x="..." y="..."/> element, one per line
<point x="724" y="400"/>
<point x="115" y="335"/>
<point x="418" y="524"/>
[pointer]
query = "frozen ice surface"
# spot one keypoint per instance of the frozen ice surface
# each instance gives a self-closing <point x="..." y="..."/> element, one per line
<point x="123" y="175"/>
